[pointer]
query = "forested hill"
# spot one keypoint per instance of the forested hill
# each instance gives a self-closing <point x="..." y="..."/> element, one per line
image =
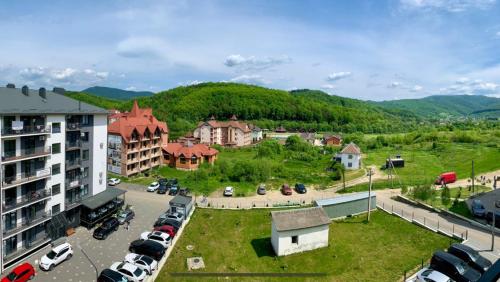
<point x="115" y="93"/>
<point x="185" y="106"/>
<point x="444" y="106"/>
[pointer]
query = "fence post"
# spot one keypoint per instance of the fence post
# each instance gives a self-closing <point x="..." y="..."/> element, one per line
<point x="405" y="276"/>
<point x="424" y="220"/>
<point x="383" y="206"/>
<point x="392" y="209"/>
<point x="438" y="225"/>
<point x="453" y="229"/>
<point x="412" y="215"/>
<point x="466" y="234"/>
<point x="422" y="265"/>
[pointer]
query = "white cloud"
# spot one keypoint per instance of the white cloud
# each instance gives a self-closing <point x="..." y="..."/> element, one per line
<point x="498" y="34"/>
<point x="253" y="63"/>
<point x="328" y="86"/>
<point x="394" y="84"/>
<point x="143" y="47"/>
<point x="338" y="75"/>
<point x="131" y="88"/>
<point x="251" y="79"/>
<point x="416" y="88"/>
<point x="472" y="87"/>
<point x="67" y="76"/>
<point x="453" y="6"/>
<point x="191" y="82"/>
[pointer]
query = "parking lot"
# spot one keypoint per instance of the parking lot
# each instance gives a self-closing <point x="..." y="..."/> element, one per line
<point x="147" y="207"/>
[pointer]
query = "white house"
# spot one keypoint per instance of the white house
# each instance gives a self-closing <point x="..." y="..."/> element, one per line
<point x="298" y="230"/>
<point x="350" y="156"/>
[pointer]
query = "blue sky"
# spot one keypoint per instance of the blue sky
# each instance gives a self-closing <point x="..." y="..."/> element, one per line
<point x="362" y="49"/>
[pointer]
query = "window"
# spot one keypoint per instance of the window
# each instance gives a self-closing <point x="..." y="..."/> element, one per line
<point x="56" y="169"/>
<point x="56" y="189"/>
<point x="85" y="119"/>
<point x="56" y="148"/>
<point x="85" y="172"/>
<point x="350" y="157"/>
<point x="295" y="239"/>
<point x="56" y="127"/>
<point x="85" y="137"/>
<point x="85" y="155"/>
<point x="194" y="160"/>
<point x="183" y="160"/>
<point x="56" y="209"/>
<point x="349" y="164"/>
<point x="84" y="192"/>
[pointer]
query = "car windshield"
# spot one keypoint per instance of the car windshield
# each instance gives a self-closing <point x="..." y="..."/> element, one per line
<point x="461" y="267"/>
<point x="138" y="272"/>
<point x="11" y="276"/>
<point x="146" y="259"/>
<point x="154" y="237"/>
<point x="474" y="255"/>
<point x="154" y="184"/>
<point x="123" y="215"/>
<point x="51" y="255"/>
<point x="427" y="272"/>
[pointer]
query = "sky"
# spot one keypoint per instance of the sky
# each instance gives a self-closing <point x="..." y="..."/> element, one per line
<point x="370" y="50"/>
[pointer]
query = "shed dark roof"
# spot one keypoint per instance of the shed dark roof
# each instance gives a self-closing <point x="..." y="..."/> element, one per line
<point x="102" y="198"/>
<point x="181" y="200"/>
<point x="299" y="218"/>
<point x="15" y="102"/>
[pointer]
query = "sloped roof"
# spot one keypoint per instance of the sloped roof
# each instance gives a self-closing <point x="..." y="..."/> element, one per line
<point x="299" y="218"/>
<point x="344" y="199"/>
<point x="137" y="119"/>
<point x="233" y="122"/>
<point x="198" y="150"/>
<point x="331" y="136"/>
<point x="351" y="148"/>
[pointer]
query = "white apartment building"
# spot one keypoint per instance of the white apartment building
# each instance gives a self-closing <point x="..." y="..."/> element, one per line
<point x="53" y="157"/>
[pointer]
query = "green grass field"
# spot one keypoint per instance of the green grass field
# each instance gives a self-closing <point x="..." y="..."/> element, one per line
<point x="239" y="241"/>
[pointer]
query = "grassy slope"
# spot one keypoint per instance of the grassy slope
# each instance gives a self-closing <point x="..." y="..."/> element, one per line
<point x="239" y="241"/>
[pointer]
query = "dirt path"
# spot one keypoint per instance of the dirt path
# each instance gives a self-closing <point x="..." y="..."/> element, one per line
<point x="488" y="175"/>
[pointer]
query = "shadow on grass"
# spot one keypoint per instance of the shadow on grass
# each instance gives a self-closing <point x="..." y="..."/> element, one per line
<point x="263" y="247"/>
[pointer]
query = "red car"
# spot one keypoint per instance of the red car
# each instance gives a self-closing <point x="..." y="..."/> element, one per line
<point x="170" y="230"/>
<point x="21" y="273"/>
<point x="446" y="178"/>
<point x="286" y="190"/>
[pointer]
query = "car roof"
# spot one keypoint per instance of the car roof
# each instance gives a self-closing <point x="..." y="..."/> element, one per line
<point x="437" y="276"/>
<point x="448" y="257"/>
<point x="111" y="273"/>
<point x="154" y="183"/>
<point x="128" y="266"/>
<point x="58" y="248"/>
<point x="159" y="233"/>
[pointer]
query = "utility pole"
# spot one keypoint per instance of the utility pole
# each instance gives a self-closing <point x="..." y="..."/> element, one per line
<point x="91" y="262"/>
<point x="370" y="172"/>
<point x="473" y="176"/>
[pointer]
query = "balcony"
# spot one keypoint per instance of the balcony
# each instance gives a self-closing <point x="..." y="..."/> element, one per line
<point x="71" y="203"/>
<point x="35" y="152"/>
<point x="156" y="136"/>
<point x="73" y="163"/>
<point x="26" y="223"/>
<point x="132" y="160"/>
<point x="133" y="140"/>
<point x="28" y="245"/>
<point x="73" y="145"/>
<point x="73" y="182"/>
<point x="25" y="177"/>
<point x="26" y="130"/>
<point x="70" y="126"/>
<point x="27" y="199"/>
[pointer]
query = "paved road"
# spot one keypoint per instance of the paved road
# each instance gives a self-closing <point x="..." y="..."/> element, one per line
<point x="477" y="238"/>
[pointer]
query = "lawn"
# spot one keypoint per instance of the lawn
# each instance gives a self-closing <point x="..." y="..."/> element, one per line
<point x="239" y="241"/>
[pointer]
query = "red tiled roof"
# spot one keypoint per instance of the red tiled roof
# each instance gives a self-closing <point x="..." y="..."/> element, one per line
<point x="138" y="119"/>
<point x="198" y="150"/>
<point x="351" y="148"/>
<point x="231" y="123"/>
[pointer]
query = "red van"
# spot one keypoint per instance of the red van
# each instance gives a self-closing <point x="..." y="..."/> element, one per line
<point x="446" y="178"/>
<point x="21" y="273"/>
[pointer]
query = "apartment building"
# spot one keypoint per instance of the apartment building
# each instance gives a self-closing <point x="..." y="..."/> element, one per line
<point x="232" y="133"/>
<point x="53" y="157"/>
<point x="135" y="141"/>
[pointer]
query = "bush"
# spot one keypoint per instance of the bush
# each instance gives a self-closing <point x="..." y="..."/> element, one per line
<point x="445" y="196"/>
<point x="423" y="193"/>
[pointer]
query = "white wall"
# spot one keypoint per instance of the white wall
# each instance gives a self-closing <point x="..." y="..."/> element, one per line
<point x="57" y="159"/>
<point x="308" y="239"/>
<point x="355" y="161"/>
<point x="99" y="147"/>
<point x="204" y="134"/>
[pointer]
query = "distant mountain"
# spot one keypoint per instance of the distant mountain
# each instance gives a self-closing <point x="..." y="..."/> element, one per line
<point x="115" y="93"/>
<point x="447" y="106"/>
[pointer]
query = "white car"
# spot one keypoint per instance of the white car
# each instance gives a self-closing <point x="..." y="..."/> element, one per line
<point x="57" y="255"/>
<point x="179" y="217"/>
<point x="145" y="263"/>
<point x="153" y="186"/>
<point x="132" y="272"/>
<point x="228" y="191"/>
<point x="430" y="275"/>
<point x="113" y="181"/>
<point x="157" y="236"/>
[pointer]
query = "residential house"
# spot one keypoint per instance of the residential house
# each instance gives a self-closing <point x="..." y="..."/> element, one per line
<point x="350" y="156"/>
<point x="299" y="230"/>
<point x="186" y="156"/>
<point x="135" y="141"/>
<point x="232" y="133"/>
<point x="332" y="140"/>
<point x="256" y="133"/>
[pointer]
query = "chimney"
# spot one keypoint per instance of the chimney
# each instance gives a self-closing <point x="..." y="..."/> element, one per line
<point x="59" y="90"/>
<point x="11" y="85"/>
<point x="25" y="90"/>
<point x="42" y="92"/>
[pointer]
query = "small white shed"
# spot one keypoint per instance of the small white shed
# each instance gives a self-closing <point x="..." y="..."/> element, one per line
<point x="298" y="230"/>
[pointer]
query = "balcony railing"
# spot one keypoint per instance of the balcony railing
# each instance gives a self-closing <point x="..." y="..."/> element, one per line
<point x="73" y="182"/>
<point x="26" y="222"/>
<point x="73" y="163"/>
<point x="133" y="139"/>
<point x="40" y="239"/>
<point x="70" y="203"/>
<point x="24" y="177"/>
<point x="37" y="129"/>
<point x="75" y="144"/>
<point x="73" y="126"/>
<point x="26" y="153"/>
<point x="26" y="199"/>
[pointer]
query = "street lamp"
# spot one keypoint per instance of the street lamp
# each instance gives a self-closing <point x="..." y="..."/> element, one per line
<point x="91" y="262"/>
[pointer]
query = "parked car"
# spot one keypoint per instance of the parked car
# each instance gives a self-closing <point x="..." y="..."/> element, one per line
<point x="478" y="209"/>
<point x="20" y="273"/>
<point x="492" y="274"/>
<point x="147" y="247"/>
<point x="173" y="181"/>
<point x="173" y="190"/>
<point x="163" y="181"/>
<point x="162" y="189"/>
<point x="168" y="221"/>
<point x="446" y="178"/>
<point x="107" y="227"/>
<point x="470" y="256"/>
<point x="184" y="191"/>
<point x="300" y="188"/>
<point x="228" y="191"/>
<point x="262" y="189"/>
<point x="147" y="264"/>
<point x="57" y="255"/>
<point x="125" y="216"/>
<point x="431" y="275"/>
<point x="175" y="216"/>
<point x="108" y="275"/>
<point x="113" y="181"/>
<point x="489" y="218"/>
<point x="130" y="271"/>
<point x="153" y="187"/>
<point x="163" y="238"/>
<point x="170" y="230"/>
<point x="286" y="190"/>
<point x="453" y="267"/>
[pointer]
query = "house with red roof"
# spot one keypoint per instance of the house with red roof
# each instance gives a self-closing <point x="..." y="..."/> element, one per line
<point x="135" y="141"/>
<point x="232" y="133"/>
<point x="188" y="156"/>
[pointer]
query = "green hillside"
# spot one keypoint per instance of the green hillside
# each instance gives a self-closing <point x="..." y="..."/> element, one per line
<point x="447" y="105"/>
<point x="115" y="93"/>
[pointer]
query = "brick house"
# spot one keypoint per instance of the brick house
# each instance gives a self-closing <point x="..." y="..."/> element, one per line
<point x="186" y="156"/>
<point x="232" y="133"/>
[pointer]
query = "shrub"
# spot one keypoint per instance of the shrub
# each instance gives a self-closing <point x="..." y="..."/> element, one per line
<point x="423" y="193"/>
<point x="445" y="196"/>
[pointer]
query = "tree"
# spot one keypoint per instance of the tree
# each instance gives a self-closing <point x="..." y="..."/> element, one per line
<point x="340" y="168"/>
<point x="445" y="196"/>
